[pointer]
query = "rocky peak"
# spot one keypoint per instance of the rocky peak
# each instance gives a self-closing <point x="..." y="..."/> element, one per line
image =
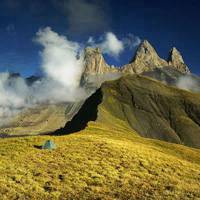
<point x="176" y="60"/>
<point x="95" y="63"/>
<point x="145" y="59"/>
<point x="145" y="51"/>
<point x="175" y="55"/>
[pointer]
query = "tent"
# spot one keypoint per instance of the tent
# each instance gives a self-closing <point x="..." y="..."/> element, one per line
<point x="49" y="145"/>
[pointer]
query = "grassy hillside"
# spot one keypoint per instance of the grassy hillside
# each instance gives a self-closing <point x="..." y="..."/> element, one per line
<point x="105" y="157"/>
<point x="153" y="109"/>
<point x="100" y="162"/>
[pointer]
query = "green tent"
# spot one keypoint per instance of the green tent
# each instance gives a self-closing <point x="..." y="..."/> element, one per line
<point x="49" y="145"/>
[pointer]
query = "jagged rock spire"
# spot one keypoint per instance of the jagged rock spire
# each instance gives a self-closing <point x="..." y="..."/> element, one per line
<point x="176" y="60"/>
<point x="144" y="49"/>
<point x="95" y="63"/>
<point x="145" y="59"/>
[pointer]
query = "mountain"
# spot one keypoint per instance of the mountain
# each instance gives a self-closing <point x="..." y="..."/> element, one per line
<point x="32" y="79"/>
<point x="136" y="137"/>
<point x="176" y="60"/>
<point x="145" y="59"/>
<point x="39" y="120"/>
<point x="95" y="63"/>
<point x="151" y="109"/>
<point x="96" y="70"/>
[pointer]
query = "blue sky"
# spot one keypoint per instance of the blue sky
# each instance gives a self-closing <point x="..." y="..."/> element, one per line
<point x="164" y="23"/>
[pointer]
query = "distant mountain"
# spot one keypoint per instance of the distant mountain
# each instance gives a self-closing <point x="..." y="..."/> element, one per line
<point x="145" y="59"/>
<point x="31" y="79"/>
<point x="171" y="76"/>
<point x="95" y="63"/>
<point x="14" y="75"/>
<point x="176" y="60"/>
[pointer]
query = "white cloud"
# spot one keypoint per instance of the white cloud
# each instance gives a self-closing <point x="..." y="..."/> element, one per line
<point x="131" y="41"/>
<point x="188" y="83"/>
<point x="62" y="69"/>
<point x="59" y="58"/>
<point x="108" y="43"/>
<point x="112" y="45"/>
<point x="13" y="94"/>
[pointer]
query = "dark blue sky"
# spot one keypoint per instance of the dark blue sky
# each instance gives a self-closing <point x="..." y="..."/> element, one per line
<point x="164" y="23"/>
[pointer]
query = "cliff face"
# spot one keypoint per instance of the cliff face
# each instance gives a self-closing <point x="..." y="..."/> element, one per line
<point x="176" y="60"/>
<point x="95" y="63"/>
<point x="145" y="59"/>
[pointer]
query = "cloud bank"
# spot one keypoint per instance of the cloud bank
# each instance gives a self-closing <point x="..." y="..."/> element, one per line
<point x="62" y="69"/>
<point x="189" y="83"/>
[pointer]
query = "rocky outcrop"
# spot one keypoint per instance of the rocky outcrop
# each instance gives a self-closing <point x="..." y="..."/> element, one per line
<point x="176" y="60"/>
<point x="145" y="59"/>
<point x="95" y="63"/>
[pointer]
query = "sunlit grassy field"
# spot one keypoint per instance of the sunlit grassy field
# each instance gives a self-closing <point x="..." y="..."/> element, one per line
<point x="100" y="162"/>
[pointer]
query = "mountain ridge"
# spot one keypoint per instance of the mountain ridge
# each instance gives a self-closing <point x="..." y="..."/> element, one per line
<point x="145" y="59"/>
<point x="146" y="106"/>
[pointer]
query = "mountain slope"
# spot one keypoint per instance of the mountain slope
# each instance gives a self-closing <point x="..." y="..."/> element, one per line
<point x="148" y="107"/>
<point x="40" y="119"/>
<point x="100" y="162"/>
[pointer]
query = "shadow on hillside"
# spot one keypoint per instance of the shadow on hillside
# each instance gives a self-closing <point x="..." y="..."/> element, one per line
<point x="88" y="112"/>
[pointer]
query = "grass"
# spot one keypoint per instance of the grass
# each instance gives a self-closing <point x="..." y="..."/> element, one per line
<point x="107" y="160"/>
<point x="100" y="162"/>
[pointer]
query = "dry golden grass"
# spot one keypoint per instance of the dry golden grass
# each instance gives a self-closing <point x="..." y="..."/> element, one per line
<point x="100" y="162"/>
